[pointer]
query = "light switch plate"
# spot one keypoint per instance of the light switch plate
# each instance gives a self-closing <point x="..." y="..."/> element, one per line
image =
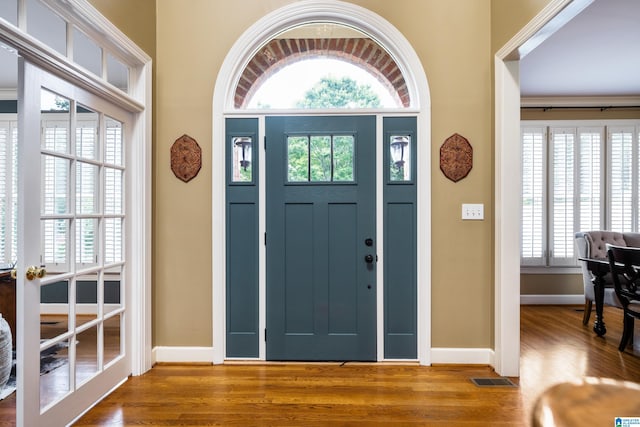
<point x="473" y="211"/>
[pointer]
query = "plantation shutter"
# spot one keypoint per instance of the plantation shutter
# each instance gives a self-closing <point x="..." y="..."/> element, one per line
<point x="8" y="190"/>
<point x="87" y="182"/>
<point x="590" y="179"/>
<point x="562" y="230"/>
<point x="533" y="226"/>
<point x="113" y="203"/>
<point x="5" y="192"/>
<point x="54" y="192"/>
<point x="623" y="184"/>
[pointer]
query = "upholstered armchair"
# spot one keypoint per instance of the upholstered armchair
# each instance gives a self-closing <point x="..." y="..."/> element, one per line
<point x="593" y="244"/>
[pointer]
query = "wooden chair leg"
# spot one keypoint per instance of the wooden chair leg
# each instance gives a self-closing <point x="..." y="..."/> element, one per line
<point x="587" y="311"/>
<point x="627" y="332"/>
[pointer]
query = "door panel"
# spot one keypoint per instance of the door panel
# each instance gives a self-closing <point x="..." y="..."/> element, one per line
<point x="72" y="340"/>
<point x="242" y="242"/>
<point x="321" y="293"/>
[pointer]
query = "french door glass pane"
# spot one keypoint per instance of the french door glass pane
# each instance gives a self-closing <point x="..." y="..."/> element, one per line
<point x="113" y="328"/>
<point x="55" y="380"/>
<point x="113" y="191"/>
<point x="113" y="240"/>
<point x="87" y="134"/>
<point x="87" y="342"/>
<point x="113" y="142"/>
<point x="86" y="242"/>
<point x="86" y="188"/>
<point x="55" y="241"/>
<point x="55" y="375"/>
<point x="87" y="291"/>
<point x="55" y="190"/>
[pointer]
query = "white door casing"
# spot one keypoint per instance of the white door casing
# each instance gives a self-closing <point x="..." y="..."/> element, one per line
<point x="399" y="48"/>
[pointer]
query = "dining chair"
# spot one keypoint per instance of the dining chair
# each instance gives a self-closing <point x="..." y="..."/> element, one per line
<point x="626" y="261"/>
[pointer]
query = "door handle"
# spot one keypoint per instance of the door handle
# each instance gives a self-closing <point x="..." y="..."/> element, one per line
<point x="368" y="259"/>
<point x="31" y="273"/>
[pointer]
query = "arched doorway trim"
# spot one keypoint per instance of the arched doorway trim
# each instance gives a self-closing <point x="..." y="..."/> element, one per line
<point x="243" y="50"/>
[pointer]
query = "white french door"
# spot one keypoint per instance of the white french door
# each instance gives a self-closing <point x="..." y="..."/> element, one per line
<point x="73" y="341"/>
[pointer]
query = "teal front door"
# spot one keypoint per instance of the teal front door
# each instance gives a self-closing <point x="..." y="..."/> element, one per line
<point x="321" y="242"/>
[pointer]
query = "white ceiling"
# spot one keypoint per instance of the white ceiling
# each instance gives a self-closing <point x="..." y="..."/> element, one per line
<point x="596" y="54"/>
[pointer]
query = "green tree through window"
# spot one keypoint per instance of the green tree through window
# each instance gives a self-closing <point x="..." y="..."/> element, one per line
<point x="331" y="92"/>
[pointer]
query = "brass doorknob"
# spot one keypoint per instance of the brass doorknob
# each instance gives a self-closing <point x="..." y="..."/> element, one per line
<point x="35" y="272"/>
<point x="14" y="274"/>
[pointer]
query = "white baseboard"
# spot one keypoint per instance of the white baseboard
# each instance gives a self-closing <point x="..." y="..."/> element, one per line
<point x="182" y="354"/>
<point x="454" y="356"/>
<point x="552" y="299"/>
<point x="463" y="356"/>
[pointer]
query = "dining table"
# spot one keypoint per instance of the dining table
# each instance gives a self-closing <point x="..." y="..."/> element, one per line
<point x="599" y="268"/>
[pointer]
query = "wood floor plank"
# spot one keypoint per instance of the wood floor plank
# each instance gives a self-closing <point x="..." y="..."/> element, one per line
<point x="555" y="347"/>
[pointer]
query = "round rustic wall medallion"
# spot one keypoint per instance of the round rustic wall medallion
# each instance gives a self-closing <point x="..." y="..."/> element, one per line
<point x="186" y="158"/>
<point x="456" y="157"/>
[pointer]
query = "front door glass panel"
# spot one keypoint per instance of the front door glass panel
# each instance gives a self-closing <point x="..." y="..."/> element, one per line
<point x="320" y="158"/>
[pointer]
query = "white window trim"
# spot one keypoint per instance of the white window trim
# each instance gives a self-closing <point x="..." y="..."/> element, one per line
<point x="604" y="127"/>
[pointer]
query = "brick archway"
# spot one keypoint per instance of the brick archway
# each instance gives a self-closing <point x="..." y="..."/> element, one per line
<point x="362" y="52"/>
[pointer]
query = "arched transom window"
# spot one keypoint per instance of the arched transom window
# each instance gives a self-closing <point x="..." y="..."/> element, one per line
<point x="319" y="57"/>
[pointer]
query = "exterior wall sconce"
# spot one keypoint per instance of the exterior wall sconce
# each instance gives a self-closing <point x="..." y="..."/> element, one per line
<point x="399" y="144"/>
<point x="244" y="144"/>
<point x="240" y="161"/>
<point x="400" y="158"/>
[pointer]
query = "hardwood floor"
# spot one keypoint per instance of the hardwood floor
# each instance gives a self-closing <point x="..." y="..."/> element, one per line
<point x="555" y="348"/>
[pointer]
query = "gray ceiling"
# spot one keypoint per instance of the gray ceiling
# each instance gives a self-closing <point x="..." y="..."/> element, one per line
<point x="596" y="54"/>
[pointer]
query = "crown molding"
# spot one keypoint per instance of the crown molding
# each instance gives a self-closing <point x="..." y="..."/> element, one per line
<point x="580" y="101"/>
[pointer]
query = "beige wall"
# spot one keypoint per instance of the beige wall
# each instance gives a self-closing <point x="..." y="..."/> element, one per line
<point x="551" y="284"/>
<point x="455" y="41"/>
<point x="138" y="23"/>
<point x="447" y="36"/>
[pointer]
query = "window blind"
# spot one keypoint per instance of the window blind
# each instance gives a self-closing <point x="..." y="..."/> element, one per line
<point x="562" y="198"/>
<point x="622" y="188"/>
<point x="533" y="196"/>
<point x="576" y="176"/>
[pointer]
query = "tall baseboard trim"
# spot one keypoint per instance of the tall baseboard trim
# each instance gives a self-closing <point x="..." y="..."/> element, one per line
<point x="551" y="299"/>
<point x="453" y="356"/>
<point x="182" y="354"/>
<point x="463" y="356"/>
